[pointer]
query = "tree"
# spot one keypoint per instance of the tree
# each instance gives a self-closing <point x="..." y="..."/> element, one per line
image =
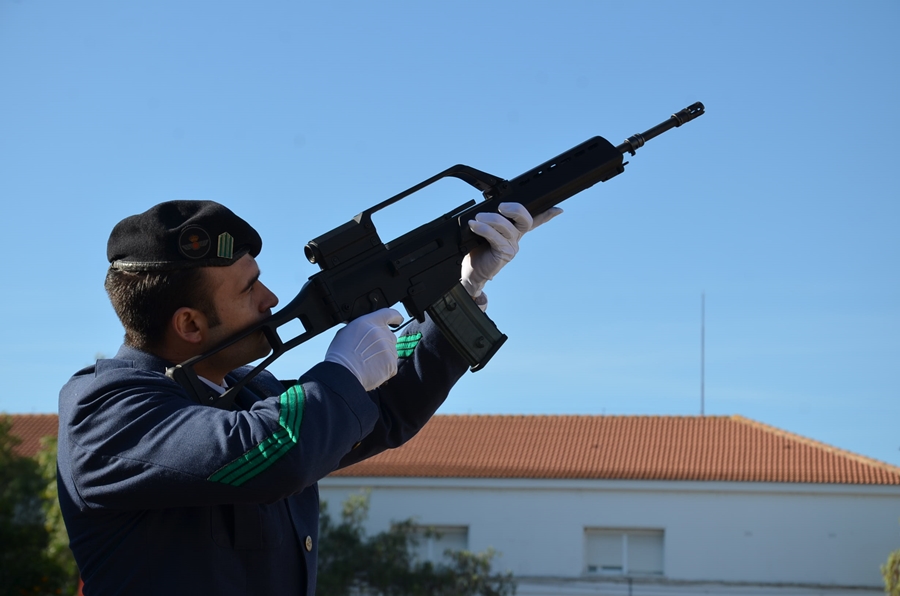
<point x="352" y="563"/>
<point x="57" y="550"/>
<point x="890" y="571"/>
<point x="26" y="562"/>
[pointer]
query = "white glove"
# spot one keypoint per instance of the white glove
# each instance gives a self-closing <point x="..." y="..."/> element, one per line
<point x="368" y="347"/>
<point x="503" y="235"/>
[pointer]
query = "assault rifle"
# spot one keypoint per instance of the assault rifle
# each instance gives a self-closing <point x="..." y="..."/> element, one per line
<point x="421" y="269"/>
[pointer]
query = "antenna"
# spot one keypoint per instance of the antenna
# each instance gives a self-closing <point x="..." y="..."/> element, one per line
<point x="702" y="352"/>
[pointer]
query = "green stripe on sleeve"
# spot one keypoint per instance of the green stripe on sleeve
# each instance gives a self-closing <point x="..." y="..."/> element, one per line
<point x="270" y="449"/>
<point x="407" y="343"/>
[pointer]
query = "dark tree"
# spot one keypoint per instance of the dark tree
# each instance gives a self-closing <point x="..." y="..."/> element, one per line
<point x="29" y="563"/>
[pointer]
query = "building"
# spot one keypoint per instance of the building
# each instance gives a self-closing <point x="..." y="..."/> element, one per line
<point x="641" y="504"/>
<point x="30" y="429"/>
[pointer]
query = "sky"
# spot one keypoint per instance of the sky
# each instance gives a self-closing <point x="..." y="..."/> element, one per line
<point x="777" y="209"/>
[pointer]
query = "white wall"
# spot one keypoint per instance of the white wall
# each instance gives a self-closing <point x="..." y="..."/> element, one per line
<point x="714" y="531"/>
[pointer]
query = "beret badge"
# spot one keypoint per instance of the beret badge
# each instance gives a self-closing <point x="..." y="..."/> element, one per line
<point x="225" y="247"/>
<point x="194" y="242"/>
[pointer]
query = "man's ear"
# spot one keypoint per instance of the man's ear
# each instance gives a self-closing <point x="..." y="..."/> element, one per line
<point x="189" y="324"/>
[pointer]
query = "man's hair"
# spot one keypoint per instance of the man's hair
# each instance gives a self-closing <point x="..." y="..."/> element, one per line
<point x="146" y="301"/>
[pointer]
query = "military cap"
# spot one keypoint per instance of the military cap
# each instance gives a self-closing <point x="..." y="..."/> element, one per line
<point x="181" y="234"/>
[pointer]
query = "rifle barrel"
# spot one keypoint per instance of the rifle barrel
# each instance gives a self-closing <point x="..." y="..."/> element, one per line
<point x="637" y="141"/>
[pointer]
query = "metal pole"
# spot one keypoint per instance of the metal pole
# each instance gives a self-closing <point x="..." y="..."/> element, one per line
<point x="702" y="353"/>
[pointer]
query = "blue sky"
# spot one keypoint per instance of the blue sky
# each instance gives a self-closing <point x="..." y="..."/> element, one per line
<point x="780" y="203"/>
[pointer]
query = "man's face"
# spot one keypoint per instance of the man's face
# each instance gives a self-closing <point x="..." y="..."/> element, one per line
<point x="240" y="300"/>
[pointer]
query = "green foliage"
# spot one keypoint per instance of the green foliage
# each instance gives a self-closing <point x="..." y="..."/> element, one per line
<point x="471" y="573"/>
<point x="30" y="558"/>
<point x="352" y="563"/>
<point x="58" y="551"/>
<point x="891" y="573"/>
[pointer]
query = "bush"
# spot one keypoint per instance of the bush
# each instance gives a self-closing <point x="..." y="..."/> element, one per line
<point x="351" y="563"/>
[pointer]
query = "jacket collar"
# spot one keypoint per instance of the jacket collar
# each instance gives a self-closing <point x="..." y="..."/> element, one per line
<point x="143" y="360"/>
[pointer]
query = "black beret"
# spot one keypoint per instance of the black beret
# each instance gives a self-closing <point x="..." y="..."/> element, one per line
<point x="181" y="234"/>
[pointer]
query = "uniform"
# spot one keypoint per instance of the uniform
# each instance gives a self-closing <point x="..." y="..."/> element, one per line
<point x="163" y="496"/>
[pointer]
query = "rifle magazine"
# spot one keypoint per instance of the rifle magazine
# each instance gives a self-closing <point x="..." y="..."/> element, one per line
<point x="469" y="330"/>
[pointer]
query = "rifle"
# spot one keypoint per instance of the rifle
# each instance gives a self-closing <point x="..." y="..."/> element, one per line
<point x="421" y="269"/>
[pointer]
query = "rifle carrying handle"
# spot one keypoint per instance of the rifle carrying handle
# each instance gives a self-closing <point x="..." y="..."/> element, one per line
<point x="468" y="329"/>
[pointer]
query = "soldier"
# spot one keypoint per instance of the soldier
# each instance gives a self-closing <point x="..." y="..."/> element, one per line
<point x="162" y="495"/>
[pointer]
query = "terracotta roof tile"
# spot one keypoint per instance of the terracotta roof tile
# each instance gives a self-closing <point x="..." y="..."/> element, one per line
<point x="708" y="448"/>
<point x="30" y="429"/>
<point x="726" y="448"/>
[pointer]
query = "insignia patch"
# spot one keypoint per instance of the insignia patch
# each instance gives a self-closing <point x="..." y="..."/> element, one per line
<point x="194" y="242"/>
<point x="406" y="344"/>
<point x="226" y="246"/>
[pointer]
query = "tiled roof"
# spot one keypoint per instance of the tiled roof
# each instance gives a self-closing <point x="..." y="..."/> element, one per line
<point x="711" y="448"/>
<point x="724" y="448"/>
<point x="30" y="429"/>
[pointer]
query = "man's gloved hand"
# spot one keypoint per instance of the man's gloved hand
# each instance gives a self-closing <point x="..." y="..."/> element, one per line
<point x="503" y="235"/>
<point x="368" y="347"/>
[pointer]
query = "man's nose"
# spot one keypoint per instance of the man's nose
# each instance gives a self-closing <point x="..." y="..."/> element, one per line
<point x="270" y="300"/>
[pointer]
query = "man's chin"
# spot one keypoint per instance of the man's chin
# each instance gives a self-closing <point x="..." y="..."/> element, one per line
<point x="264" y="345"/>
<point x="263" y="353"/>
<point x="259" y="351"/>
<point x="246" y="352"/>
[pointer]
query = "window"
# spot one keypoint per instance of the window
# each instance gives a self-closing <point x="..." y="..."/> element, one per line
<point x="624" y="552"/>
<point x="435" y="540"/>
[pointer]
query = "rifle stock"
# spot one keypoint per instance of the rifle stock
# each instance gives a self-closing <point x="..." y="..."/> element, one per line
<point x="421" y="269"/>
